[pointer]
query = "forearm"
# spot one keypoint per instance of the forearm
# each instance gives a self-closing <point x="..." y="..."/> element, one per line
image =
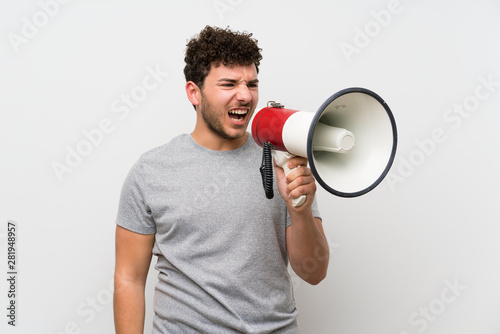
<point x="129" y="307"/>
<point x="307" y="247"/>
<point x="133" y="258"/>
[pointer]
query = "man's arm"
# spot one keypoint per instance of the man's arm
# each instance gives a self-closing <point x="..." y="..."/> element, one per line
<point x="307" y="246"/>
<point x="133" y="258"/>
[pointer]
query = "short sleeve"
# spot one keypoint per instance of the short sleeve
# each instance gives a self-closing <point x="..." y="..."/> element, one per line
<point x="133" y="212"/>
<point x="315" y="209"/>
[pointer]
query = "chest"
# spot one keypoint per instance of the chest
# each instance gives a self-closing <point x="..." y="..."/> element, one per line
<point x="220" y="197"/>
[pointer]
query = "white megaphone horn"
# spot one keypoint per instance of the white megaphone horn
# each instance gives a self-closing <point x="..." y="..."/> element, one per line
<point x="350" y="142"/>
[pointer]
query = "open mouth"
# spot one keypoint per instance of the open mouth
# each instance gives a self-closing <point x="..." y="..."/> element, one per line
<point x="238" y="115"/>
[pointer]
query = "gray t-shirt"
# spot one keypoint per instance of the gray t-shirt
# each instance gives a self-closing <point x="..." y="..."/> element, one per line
<point x="220" y="242"/>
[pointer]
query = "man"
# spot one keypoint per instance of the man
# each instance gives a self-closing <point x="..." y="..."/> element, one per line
<point x="197" y="204"/>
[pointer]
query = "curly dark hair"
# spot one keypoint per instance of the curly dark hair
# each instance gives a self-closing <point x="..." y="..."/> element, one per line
<point x="216" y="46"/>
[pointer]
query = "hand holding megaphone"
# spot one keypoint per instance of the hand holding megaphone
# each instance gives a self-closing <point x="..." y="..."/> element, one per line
<point x="281" y="159"/>
<point x="350" y="142"/>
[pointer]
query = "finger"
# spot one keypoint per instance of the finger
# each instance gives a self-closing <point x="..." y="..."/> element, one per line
<point x="307" y="189"/>
<point x="297" y="161"/>
<point x="300" y="181"/>
<point x="300" y="177"/>
<point x="298" y="172"/>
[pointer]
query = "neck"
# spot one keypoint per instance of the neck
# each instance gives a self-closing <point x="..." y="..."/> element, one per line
<point x="216" y="143"/>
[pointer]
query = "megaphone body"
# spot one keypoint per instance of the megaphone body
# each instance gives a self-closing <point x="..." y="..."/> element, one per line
<point x="350" y="142"/>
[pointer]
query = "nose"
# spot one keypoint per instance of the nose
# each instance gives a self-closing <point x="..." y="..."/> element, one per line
<point x="243" y="95"/>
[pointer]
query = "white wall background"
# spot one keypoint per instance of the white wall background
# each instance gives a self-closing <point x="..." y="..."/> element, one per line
<point x="419" y="254"/>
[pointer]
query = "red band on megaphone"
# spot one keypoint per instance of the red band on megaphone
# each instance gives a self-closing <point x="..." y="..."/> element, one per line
<point x="267" y="126"/>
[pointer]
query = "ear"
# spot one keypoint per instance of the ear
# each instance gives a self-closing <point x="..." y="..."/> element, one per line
<point x="193" y="93"/>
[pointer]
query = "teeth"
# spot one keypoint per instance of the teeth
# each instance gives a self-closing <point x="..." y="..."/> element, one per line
<point x="238" y="111"/>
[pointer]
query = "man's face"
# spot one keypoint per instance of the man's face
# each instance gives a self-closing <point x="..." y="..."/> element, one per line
<point x="228" y="99"/>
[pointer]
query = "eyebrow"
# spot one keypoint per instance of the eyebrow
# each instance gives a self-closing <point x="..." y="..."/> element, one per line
<point x="236" y="81"/>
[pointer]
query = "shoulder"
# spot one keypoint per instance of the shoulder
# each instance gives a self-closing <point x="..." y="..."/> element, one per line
<point x="176" y="144"/>
<point x="160" y="157"/>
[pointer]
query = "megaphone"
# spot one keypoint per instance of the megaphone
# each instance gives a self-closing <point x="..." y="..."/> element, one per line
<point x="350" y="142"/>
